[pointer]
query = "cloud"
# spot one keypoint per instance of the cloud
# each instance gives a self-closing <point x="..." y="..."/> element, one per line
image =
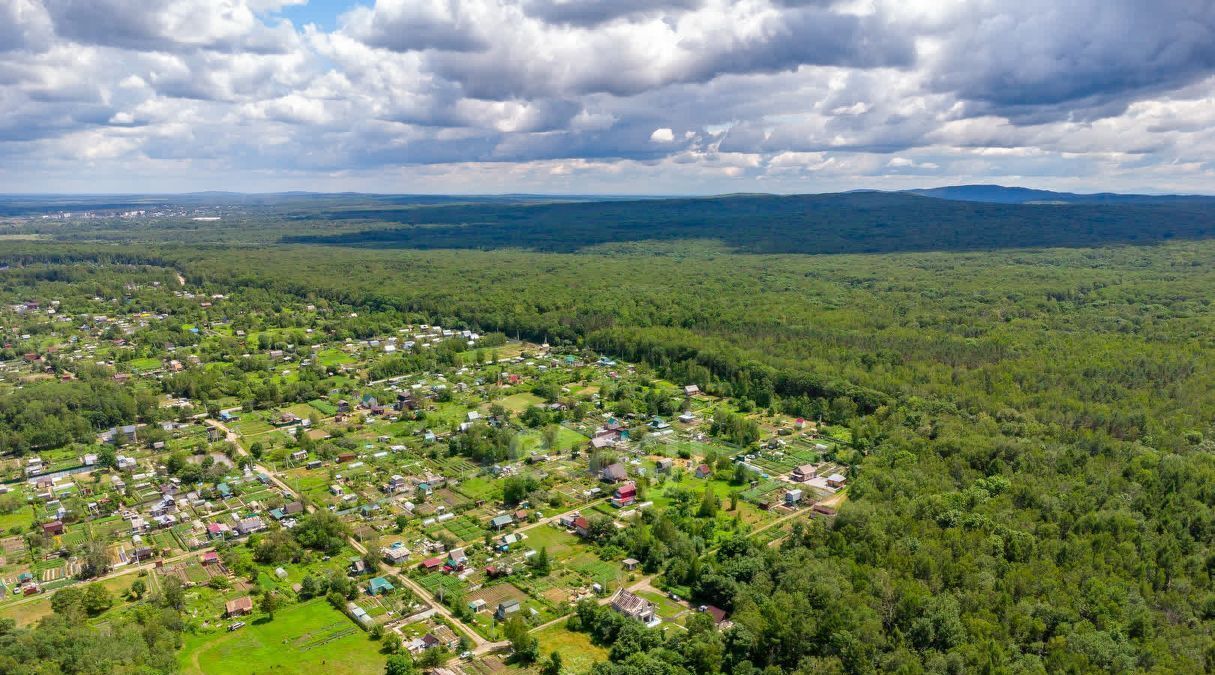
<point x="659" y="95"/>
<point x="416" y="25"/>
<point x="224" y="25"/>
<point x="663" y="135"/>
<point x="1059" y="58"/>
<point x="595" y="12"/>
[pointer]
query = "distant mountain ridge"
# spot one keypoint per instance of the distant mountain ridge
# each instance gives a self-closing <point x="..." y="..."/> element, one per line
<point x="999" y="194"/>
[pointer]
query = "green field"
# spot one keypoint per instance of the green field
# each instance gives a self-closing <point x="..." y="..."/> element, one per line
<point x="310" y="637"/>
<point x="517" y="403"/>
<point x="577" y="651"/>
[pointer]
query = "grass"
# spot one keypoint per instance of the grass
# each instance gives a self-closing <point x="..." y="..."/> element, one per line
<point x="517" y="403"/>
<point x="577" y="651"/>
<point x="309" y="637"/>
<point x="22" y="518"/>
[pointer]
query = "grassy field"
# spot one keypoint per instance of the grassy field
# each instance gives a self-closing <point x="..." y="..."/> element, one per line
<point x="517" y="403"/>
<point x="22" y="518"/>
<point x="577" y="651"/>
<point x="310" y="637"/>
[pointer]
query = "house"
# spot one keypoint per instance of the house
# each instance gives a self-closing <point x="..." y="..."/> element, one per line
<point x="582" y="526"/>
<point x="506" y="608"/>
<point x="395" y="554"/>
<point x="499" y="522"/>
<point x="703" y="471"/>
<point x="664" y="465"/>
<point x="687" y="417"/>
<point x="792" y="497"/>
<point x="633" y="606"/>
<point x="602" y="441"/>
<point x="285" y="419"/>
<point x="299" y="455"/>
<point x="379" y="586"/>
<point x="53" y="528"/>
<point x="691" y="390"/>
<point x="804" y="473"/>
<point x="217" y="530"/>
<point x="505" y="542"/>
<point x="210" y="558"/>
<point x="456" y="559"/>
<point x="294" y="508"/>
<point x="431" y="563"/>
<point x="614" y="473"/>
<point x="625" y="495"/>
<point x="836" y="480"/>
<point x="250" y="525"/>
<point x="241" y="606"/>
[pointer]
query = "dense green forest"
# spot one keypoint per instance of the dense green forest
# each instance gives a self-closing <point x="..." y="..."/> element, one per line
<point x="861" y="222"/>
<point x="1037" y="485"/>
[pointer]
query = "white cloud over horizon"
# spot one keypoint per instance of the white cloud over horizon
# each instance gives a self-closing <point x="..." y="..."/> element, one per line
<point x="619" y="96"/>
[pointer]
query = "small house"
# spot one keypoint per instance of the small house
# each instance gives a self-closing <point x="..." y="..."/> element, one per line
<point x="241" y="606"/>
<point x="379" y="586"/>
<point x="804" y="473"/>
<point x="506" y="608"/>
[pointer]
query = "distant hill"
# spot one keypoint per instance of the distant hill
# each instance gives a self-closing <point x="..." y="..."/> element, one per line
<point x="857" y="222"/>
<point x="999" y="194"/>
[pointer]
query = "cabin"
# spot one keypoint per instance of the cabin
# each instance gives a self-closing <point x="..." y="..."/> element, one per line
<point x="792" y="497"/>
<point x="379" y="586"/>
<point x="836" y="480"/>
<point x="499" y="522"/>
<point x="703" y="471"/>
<point x="506" y="608"/>
<point x="241" y="606"/>
<point x="625" y="495"/>
<point x="582" y="526"/>
<point x="614" y="473"/>
<point x="803" y="473"/>
<point x="691" y="390"/>
<point x="395" y="554"/>
<point x="53" y="528"/>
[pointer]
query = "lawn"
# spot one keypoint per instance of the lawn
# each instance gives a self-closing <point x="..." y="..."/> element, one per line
<point x="22" y="518"/>
<point x="517" y="403"/>
<point x="577" y="651"/>
<point x="309" y="637"/>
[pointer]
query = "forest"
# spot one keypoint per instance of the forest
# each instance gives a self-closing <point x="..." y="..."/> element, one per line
<point x="1030" y="390"/>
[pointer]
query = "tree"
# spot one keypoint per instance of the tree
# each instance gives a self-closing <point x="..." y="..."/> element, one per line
<point x="525" y="646"/>
<point x="552" y="666"/>
<point x="708" y="503"/>
<point x="96" y="561"/>
<point x="321" y="531"/>
<point x="399" y="664"/>
<point x="269" y="603"/>
<point x="172" y="593"/>
<point x="138" y="588"/>
<point x="69" y="603"/>
<point x="540" y="563"/>
<point x="97" y="599"/>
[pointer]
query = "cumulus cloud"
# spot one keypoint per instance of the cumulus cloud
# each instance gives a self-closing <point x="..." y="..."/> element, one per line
<point x="703" y="94"/>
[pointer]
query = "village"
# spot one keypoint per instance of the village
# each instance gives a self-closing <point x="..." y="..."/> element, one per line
<point x="477" y="479"/>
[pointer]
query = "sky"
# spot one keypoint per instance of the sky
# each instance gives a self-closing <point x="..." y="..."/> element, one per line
<point x="605" y="96"/>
